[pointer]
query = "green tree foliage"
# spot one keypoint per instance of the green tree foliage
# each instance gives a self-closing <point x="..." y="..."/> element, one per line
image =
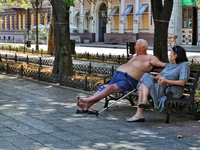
<point x="22" y="3"/>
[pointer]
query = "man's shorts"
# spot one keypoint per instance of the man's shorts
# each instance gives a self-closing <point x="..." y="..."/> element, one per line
<point x="123" y="81"/>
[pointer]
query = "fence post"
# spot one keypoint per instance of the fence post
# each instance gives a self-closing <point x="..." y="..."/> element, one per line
<point x="103" y="57"/>
<point x="41" y="52"/>
<point x="109" y="55"/>
<point x="40" y="61"/>
<point x="86" y="83"/>
<point x="39" y="74"/>
<point x="15" y="57"/>
<point x="112" y="71"/>
<point x="27" y="59"/>
<point x="24" y="49"/>
<point x="21" y="71"/>
<point x="2" y="47"/>
<point x="7" y="67"/>
<point x="6" y="57"/>
<point x="119" y="59"/>
<point x="9" y="48"/>
<point x="123" y="58"/>
<point x="16" y="49"/>
<point x="32" y="50"/>
<point x="90" y="68"/>
<point x="88" y="55"/>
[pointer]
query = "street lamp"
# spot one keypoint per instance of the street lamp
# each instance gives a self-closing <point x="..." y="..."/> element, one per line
<point x="36" y="3"/>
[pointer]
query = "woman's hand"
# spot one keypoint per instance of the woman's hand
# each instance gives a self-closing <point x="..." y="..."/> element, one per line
<point x="162" y="81"/>
<point x="158" y="76"/>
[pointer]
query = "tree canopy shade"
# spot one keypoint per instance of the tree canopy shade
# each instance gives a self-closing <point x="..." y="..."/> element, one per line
<point x="63" y="60"/>
<point x="162" y="10"/>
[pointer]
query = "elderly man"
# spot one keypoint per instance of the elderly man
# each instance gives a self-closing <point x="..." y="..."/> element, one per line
<point x="126" y="77"/>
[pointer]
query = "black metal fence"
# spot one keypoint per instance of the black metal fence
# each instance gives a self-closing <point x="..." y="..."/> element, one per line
<point x="25" y="50"/>
<point x="69" y="81"/>
<point x="42" y="61"/>
<point x="87" y="56"/>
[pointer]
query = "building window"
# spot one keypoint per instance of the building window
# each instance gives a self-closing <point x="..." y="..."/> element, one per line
<point x="1" y="23"/>
<point x="187" y="17"/>
<point x="32" y="21"/>
<point x="145" y="19"/>
<point x="23" y="22"/>
<point x="19" y="22"/>
<point x="116" y="18"/>
<point x="45" y="19"/>
<point x="10" y="18"/>
<point x="130" y="19"/>
<point x="5" y="23"/>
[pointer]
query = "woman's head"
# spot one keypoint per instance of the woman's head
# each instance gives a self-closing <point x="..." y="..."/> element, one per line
<point x="180" y="54"/>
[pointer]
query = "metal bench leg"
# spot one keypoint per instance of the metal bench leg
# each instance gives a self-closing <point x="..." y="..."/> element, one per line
<point x="194" y="112"/>
<point x="106" y="102"/>
<point x="167" y="116"/>
<point x="131" y="100"/>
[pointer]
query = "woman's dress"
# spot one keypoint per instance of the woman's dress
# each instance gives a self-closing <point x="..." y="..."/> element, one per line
<point x="170" y="72"/>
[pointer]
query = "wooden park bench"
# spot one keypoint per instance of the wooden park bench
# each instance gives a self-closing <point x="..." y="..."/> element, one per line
<point x="187" y="100"/>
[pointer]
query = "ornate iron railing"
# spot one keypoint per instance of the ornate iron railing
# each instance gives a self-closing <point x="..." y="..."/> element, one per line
<point x="70" y="81"/>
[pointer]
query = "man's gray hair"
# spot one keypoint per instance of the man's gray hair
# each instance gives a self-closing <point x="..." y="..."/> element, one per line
<point x="143" y="43"/>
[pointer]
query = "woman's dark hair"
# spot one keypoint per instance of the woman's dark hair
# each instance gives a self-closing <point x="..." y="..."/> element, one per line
<point x="181" y="54"/>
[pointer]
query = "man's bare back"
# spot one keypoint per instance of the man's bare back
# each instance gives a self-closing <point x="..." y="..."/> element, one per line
<point x="138" y="65"/>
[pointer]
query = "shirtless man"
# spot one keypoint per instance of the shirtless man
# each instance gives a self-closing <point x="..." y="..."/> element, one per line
<point x="126" y="77"/>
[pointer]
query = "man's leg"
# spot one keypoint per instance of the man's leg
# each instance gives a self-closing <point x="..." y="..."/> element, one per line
<point x="86" y="103"/>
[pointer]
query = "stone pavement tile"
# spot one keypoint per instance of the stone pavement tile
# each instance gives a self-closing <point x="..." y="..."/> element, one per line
<point x="20" y="127"/>
<point x="37" y="124"/>
<point x="5" y="145"/>
<point x="22" y="142"/>
<point x="51" y="141"/>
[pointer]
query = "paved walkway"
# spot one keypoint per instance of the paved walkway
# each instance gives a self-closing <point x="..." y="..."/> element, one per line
<point x="41" y="116"/>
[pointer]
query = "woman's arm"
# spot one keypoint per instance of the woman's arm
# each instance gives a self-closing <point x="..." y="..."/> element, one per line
<point x="162" y="81"/>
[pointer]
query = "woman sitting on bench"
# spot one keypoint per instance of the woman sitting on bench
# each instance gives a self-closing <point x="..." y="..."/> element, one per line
<point x="175" y="73"/>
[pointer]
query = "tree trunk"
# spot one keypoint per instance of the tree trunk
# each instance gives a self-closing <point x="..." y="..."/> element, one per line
<point x="51" y="45"/>
<point x="161" y="15"/>
<point x="63" y="61"/>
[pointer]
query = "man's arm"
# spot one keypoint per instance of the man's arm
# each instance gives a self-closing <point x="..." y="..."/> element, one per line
<point x="156" y="62"/>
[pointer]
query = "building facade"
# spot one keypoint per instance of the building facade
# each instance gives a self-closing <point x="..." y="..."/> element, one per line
<point x="17" y="22"/>
<point x="121" y="21"/>
<point x="113" y="21"/>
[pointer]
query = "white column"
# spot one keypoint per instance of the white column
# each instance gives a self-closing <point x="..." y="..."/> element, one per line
<point x="136" y="18"/>
<point x="108" y="25"/>
<point x="198" y="39"/>
<point x="81" y="18"/>
<point x="121" y="21"/>
<point x="178" y="20"/>
<point x="92" y="22"/>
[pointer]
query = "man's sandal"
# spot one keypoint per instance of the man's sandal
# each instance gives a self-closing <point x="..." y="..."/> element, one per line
<point x="136" y="118"/>
<point x="144" y="104"/>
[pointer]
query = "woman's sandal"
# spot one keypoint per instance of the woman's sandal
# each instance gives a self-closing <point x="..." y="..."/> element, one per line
<point x="144" y="104"/>
<point x="136" y="118"/>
